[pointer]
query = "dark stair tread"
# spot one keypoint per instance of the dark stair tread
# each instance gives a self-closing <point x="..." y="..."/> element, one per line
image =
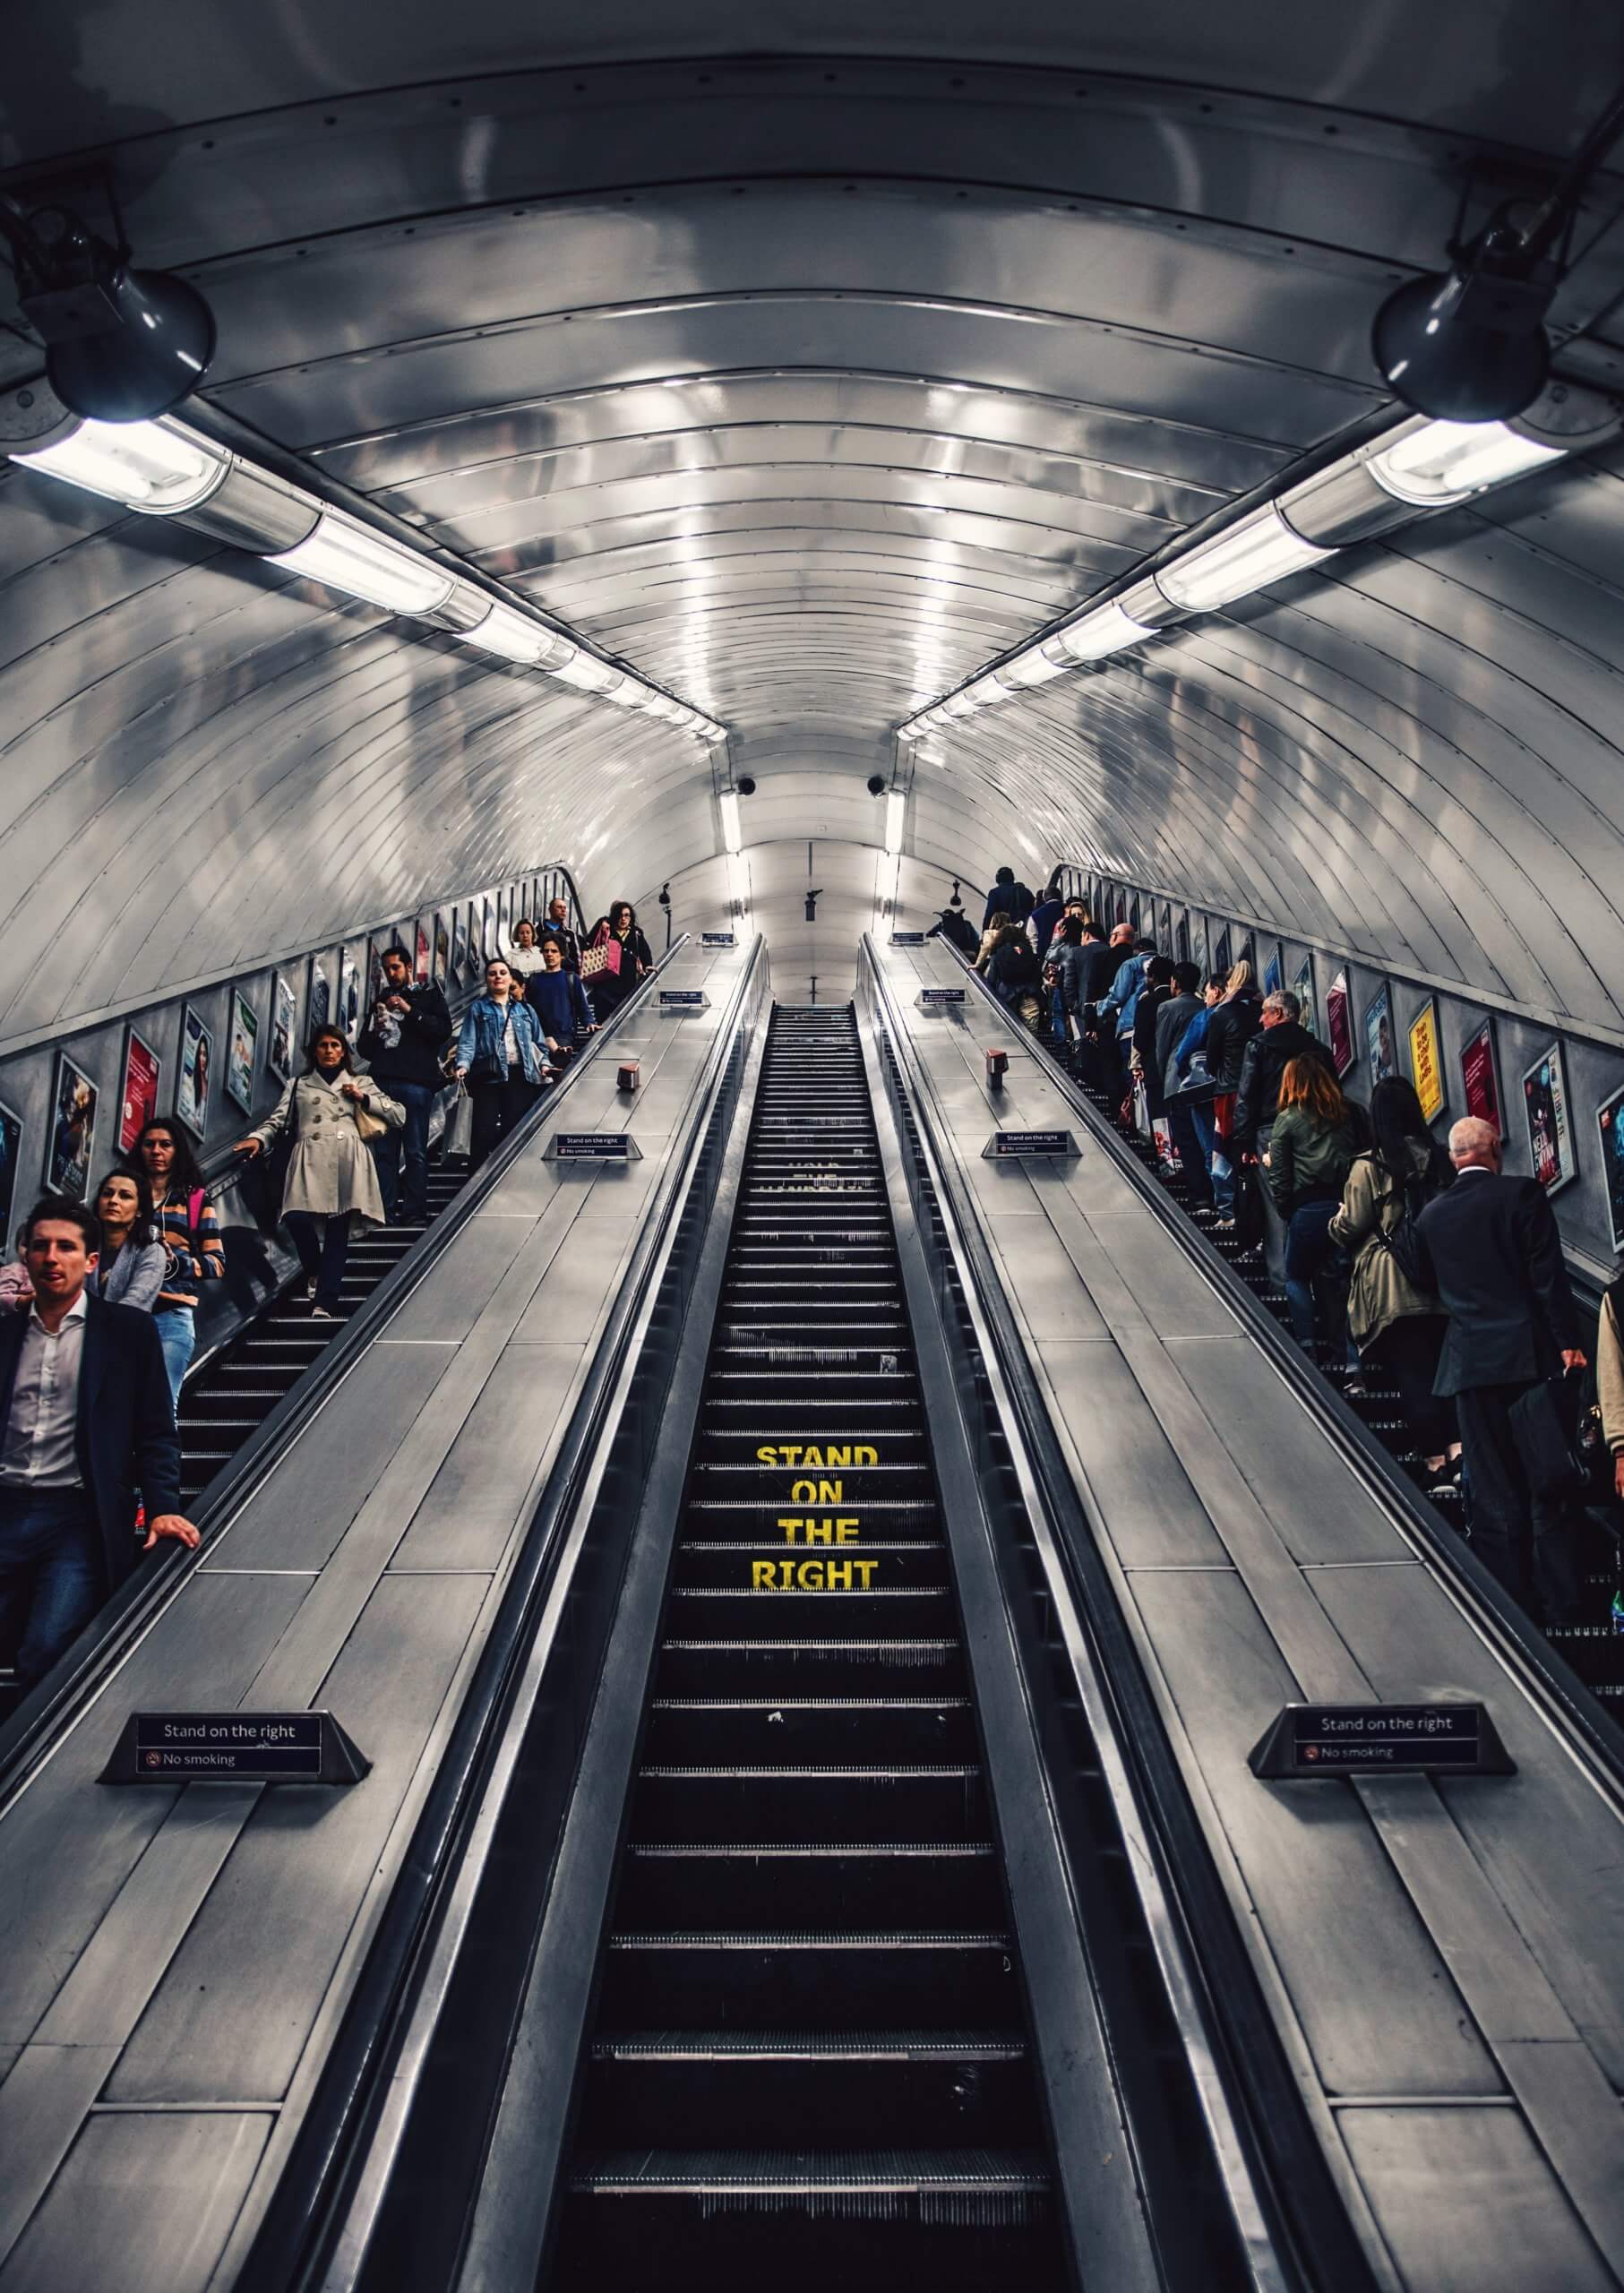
<point x="841" y="1939"/>
<point x="859" y="2045"/>
<point x="834" y="2170"/>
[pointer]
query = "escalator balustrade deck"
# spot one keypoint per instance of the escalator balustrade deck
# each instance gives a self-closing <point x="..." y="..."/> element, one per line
<point x="811" y="2053"/>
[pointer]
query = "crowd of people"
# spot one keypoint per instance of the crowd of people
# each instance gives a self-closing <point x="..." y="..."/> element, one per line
<point x="98" y="1308"/>
<point x="1425" y="1265"/>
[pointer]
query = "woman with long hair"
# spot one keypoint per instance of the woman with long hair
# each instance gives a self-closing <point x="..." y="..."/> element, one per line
<point x="1014" y="974"/>
<point x="129" y="1270"/>
<point x="616" y="933"/>
<point x="1315" y="1138"/>
<point x="189" y="1228"/>
<point x="991" y="937"/>
<point x="501" y="1056"/>
<point x="1398" y="1327"/>
<point x="332" y="1181"/>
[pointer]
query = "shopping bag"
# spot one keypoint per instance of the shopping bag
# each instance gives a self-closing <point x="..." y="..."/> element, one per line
<point x="460" y="1128"/>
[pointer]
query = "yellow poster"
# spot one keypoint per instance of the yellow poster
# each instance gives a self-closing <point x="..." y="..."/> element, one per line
<point x="1426" y="1066"/>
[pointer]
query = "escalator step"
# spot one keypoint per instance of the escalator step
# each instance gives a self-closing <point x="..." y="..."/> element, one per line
<point x="866" y="1883"/>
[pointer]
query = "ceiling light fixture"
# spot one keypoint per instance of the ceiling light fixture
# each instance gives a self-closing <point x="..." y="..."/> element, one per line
<point x="164" y="467"/>
<point x="728" y="804"/>
<point x="1098" y="634"/>
<point x="895" y="815"/>
<point x="1442" y="462"/>
<point x="1250" y="556"/>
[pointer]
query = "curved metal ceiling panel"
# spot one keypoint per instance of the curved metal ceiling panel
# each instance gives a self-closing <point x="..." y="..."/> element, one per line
<point x="808" y="383"/>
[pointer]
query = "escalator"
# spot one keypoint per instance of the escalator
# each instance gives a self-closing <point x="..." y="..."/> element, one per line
<point x="811" y="2053"/>
<point x="230" y="1397"/>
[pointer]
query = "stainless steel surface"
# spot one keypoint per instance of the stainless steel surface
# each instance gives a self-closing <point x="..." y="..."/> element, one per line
<point x="156" y="1968"/>
<point x="1427" y="1925"/>
<point x="807" y="381"/>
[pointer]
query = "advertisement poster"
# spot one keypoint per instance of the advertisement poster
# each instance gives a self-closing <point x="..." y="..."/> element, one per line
<point x="1609" y="1125"/>
<point x="1378" y="1036"/>
<point x="284" y="1027"/>
<point x="1273" y="973"/>
<point x="420" y="959"/>
<point x="1340" y="1023"/>
<point x="1551" y="1150"/>
<point x="197" y="1067"/>
<point x="443" y="948"/>
<point x="459" y="942"/>
<point x="1479" y="1085"/>
<point x="1426" y="1062"/>
<point x="1302" y="988"/>
<point x="1220" y="955"/>
<point x="489" y="944"/>
<point x="243" y="1050"/>
<point x="10" y="1155"/>
<point x="349" y="995"/>
<point x="321" y="996"/>
<point x="72" y="1136"/>
<point x="374" y="970"/>
<point x="138" y="1099"/>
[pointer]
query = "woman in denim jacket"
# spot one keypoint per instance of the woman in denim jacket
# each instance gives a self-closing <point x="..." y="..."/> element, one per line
<point x="501" y="1055"/>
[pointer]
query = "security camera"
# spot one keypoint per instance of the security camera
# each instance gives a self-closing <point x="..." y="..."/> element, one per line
<point x="665" y="895"/>
<point x="876" y="783"/>
<point x="745" y="787"/>
<point x="811" y="906"/>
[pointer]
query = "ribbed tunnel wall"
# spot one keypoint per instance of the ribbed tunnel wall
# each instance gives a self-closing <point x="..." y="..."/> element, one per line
<point x="808" y="384"/>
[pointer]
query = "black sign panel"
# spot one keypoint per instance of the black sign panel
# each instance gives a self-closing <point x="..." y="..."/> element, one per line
<point x="1314" y="1739"/>
<point x="683" y="998"/>
<point x="594" y="1147"/>
<point x="907" y="939"/>
<point x="715" y="939"/>
<point x="942" y="995"/>
<point x="1010" y="1145"/>
<point x="234" y="1747"/>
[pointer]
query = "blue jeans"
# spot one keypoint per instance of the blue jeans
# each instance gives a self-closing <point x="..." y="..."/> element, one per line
<point x="1218" y="1162"/>
<point x="176" y="1328"/>
<point x="1310" y="1253"/>
<point x="410" y="1144"/>
<point x="51" y="1577"/>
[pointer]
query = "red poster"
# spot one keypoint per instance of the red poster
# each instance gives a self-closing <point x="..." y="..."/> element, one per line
<point x="138" y="1100"/>
<point x="1477" y="1076"/>
<point x="1340" y="1023"/>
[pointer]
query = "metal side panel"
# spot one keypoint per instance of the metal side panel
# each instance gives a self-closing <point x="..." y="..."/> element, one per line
<point x="162" y="1960"/>
<point x="1424" y="1941"/>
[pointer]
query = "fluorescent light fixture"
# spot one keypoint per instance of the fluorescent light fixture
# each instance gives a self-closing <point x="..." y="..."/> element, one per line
<point x="738" y="883"/>
<point x="587" y="674"/>
<point x="1028" y="669"/>
<point x="344" y="554"/>
<point x="987" y="691"/>
<point x="956" y="705"/>
<point x="1259" y="550"/>
<point x="1107" y="630"/>
<point x="728" y="804"/>
<point x="1445" y="461"/>
<point x="895" y="812"/>
<point x="713" y="733"/>
<point x="514" y="637"/>
<point x="158" y="467"/>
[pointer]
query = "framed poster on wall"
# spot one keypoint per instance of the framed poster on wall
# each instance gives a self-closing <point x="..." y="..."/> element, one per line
<point x="349" y="994"/>
<point x="1426" y="1062"/>
<point x="11" y="1155"/>
<point x="1610" y="1129"/>
<point x="137" y="1094"/>
<point x="319" y="1004"/>
<point x="72" y="1138"/>
<point x="442" y="948"/>
<point x="1302" y="988"/>
<point x="1551" y="1150"/>
<point x="1221" y="958"/>
<point x="459" y="941"/>
<point x="284" y="1029"/>
<point x="1274" y="971"/>
<point x="1478" y="1082"/>
<point x="1380" y="1054"/>
<point x="421" y="953"/>
<point x="1340" y="1023"/>
<point x="241" y="1055"/>
<point x="193" y="1084"/>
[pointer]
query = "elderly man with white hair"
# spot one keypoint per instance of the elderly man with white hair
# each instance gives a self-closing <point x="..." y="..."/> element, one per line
<point x="1495" y="1259"/>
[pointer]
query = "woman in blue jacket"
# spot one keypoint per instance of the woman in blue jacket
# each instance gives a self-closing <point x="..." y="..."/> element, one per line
<point x="501" y="1055"/>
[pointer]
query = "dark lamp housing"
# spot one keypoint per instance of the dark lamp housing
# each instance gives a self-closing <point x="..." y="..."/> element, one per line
<point x="1469" y="344"/>
<point x="121" y="345"/>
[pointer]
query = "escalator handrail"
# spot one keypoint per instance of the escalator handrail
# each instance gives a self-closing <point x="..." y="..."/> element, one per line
<point x="1288" y="2209"/>
<point x="52" y="1706"/>
<point x="1551" y="1683"/>
<point x="289" y="2246"/>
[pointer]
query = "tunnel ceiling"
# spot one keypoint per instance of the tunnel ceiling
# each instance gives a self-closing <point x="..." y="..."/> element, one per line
<point x="807" y="381"/>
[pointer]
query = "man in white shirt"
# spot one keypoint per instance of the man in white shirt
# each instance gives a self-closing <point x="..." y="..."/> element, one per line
<point x="85" y="1420"/>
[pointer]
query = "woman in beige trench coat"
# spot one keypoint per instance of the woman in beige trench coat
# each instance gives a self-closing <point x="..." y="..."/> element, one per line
<point x="332" y="1181"/>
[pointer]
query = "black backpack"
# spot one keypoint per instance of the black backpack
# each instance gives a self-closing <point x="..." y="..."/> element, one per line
<point x="1403" y="1239"/>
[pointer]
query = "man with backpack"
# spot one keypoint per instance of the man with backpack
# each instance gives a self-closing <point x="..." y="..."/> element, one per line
<point x="1008" y="897"/>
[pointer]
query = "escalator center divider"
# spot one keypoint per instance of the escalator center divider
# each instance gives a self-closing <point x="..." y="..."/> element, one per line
<point x="811" y="2052"/>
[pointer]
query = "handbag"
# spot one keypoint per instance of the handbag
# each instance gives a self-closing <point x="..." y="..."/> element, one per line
<point x="370" y="1125"/>
<point x="460" y="1128"/>
<point x="602" y="956"/>
<point x="485" y="1069"/>
<point x="1554" y="1466"/>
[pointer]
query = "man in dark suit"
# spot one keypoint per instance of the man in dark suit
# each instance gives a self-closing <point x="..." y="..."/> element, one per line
<point x="1496" y="1260"/>
<point x="85" y="1421"/>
